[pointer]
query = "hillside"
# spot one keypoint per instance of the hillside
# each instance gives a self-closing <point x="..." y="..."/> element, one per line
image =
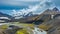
<point x="52" y="26"/>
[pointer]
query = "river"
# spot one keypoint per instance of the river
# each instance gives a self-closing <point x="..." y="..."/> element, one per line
<point x="38" y="31"/>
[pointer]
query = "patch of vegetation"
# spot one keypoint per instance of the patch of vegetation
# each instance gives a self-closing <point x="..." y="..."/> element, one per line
<point x="22" y="31"/>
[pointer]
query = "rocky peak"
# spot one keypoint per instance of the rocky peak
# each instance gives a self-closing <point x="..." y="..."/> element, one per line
<point x="55" y="9"/>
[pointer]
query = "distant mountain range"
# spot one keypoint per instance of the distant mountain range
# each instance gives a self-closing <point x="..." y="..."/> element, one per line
<point x="38" y="19"/>
<point x="5" y="17"/>
<point x="45" y="16"/>
<point x="48" y="11"/>
<point x="24" y="15"/>
<point x="30" y="17"/>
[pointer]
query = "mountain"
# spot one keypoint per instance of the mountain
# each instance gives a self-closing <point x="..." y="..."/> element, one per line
<point x="55" y="9"/>
<point x="44" y="17"/>
<point x="23" y="15"/>
<point x="52" y="26"/>
<point x="18" y="16"/>
<point x="5" y="17"/>
<point x="36" y="19"/>
<point x="29" y="14"/>
<point x="52" y="12"/>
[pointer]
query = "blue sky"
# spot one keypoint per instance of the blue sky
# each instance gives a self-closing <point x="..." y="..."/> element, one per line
<point x="36" y="6"/>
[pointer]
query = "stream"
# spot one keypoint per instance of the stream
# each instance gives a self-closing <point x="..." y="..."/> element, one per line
<point x="39" y="31"/>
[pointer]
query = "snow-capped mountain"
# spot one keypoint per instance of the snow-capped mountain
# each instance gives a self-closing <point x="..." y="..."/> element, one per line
<point x="52" y="11"/>
<point x="35" y="9"/>
<point x="29" y="14"/>
<point x="26" y="13"/>
<point x="21" y="14"/>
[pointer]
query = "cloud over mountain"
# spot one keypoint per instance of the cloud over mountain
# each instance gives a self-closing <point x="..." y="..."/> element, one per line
<point x="36" y="9"/>
<point x="26" y="6"/>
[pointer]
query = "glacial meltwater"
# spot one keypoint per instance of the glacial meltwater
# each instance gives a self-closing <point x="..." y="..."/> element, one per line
<point x="39" y="31"/>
